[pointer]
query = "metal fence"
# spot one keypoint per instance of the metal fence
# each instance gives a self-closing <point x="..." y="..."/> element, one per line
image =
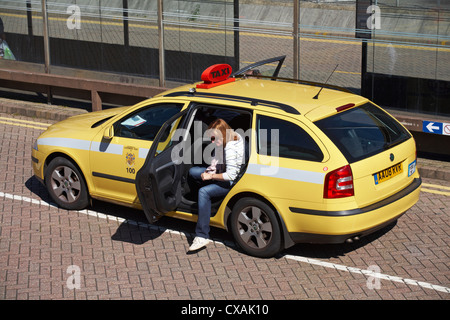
<point x="395" y="46"/>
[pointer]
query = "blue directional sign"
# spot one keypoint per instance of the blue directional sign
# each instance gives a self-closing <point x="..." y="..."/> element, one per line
<point x="432" y="127"/>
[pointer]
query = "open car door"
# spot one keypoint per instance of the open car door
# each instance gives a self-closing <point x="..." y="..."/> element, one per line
<point x="158" y="182"/>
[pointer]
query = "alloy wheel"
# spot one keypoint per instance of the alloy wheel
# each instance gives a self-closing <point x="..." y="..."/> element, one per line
<point x="255" y="227"/>
<point x="65" y="184"/>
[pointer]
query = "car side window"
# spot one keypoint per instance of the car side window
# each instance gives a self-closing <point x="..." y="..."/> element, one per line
<point x="145" y="123"/>
<point x="292" y="141"/>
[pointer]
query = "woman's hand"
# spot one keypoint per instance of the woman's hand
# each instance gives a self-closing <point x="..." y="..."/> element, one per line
<point x="206" y="176"/>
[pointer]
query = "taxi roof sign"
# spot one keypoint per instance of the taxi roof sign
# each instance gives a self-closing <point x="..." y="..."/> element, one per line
<point x="216" y="75"/>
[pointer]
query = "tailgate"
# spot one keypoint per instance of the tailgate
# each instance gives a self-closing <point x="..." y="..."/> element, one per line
<point x="384" y="174"/>
<point x="378" y="148"/>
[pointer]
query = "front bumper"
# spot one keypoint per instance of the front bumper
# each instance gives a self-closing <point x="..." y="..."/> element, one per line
<point x="38" y="160"/>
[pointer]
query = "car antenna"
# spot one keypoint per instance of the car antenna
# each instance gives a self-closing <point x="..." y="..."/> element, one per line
<point x="317" y="95"/>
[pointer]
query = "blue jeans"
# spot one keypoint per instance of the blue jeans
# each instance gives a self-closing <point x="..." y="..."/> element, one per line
<point x="212" y="189"/>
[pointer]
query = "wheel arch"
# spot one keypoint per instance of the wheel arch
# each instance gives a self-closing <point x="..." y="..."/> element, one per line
<point x="57" y="154"/>
<point x="287" y="241"/>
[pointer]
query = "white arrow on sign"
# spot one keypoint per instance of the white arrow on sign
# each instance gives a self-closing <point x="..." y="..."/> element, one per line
<point x="430" y="127"/>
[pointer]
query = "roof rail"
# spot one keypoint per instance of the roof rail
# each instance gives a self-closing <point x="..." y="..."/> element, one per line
<point x="252" y="101"/>
<point x="242" y="74"/>
<point x="312" y="83"/>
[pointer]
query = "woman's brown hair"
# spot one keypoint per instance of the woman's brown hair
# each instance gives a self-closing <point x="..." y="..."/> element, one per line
<point x="226" y="131"/>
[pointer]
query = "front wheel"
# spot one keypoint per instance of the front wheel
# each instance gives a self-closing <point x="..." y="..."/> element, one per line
<point x="255" y="228"/>
<point x="66" y="184"/>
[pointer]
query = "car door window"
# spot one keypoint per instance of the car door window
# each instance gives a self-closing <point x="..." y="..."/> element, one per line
<point x="145" y="123"/>
<point x="290" y="139"/>
<point x="169" y="136"/>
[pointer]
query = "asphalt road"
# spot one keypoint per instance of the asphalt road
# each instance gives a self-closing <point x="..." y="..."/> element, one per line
<point x="110" y="252"/>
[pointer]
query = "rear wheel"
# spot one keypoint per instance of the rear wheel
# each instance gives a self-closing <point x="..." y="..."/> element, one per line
<point x="66" y="184"/>
<point x="255" y="228"/>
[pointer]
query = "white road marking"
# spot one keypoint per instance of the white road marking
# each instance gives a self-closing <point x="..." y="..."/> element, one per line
<point x="368" y="273"/>
<point x="316" y="262"/>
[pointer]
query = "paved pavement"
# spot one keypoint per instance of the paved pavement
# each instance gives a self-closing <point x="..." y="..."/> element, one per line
<point x="110" y="252"/>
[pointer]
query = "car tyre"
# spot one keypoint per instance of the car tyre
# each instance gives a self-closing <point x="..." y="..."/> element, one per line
<point x="66" y="184"/>
<point x="255" y="228"/>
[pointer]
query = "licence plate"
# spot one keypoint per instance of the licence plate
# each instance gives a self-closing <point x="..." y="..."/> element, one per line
<point x="388" y="173"/>
<point x="412" y="168"/>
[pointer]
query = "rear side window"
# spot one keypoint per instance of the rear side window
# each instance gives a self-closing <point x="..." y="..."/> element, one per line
<point x="290" y="140"/>
<point x="363" y="131"/>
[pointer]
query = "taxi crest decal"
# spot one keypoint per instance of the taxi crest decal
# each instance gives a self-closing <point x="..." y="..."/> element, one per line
<point x="130" y="159"/>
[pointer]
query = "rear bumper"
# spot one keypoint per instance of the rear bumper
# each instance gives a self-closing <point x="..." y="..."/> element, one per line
<point x="362" y="221"/>
<point x="299" y="237"/>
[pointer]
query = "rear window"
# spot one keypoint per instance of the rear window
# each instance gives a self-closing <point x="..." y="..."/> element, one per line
<point x="363" y="131"/>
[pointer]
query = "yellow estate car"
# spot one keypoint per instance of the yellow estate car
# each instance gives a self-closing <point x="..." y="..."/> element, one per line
<point x="322" y="165"/>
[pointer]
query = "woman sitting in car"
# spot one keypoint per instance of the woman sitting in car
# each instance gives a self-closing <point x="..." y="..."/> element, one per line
<point x="216" y="180"/>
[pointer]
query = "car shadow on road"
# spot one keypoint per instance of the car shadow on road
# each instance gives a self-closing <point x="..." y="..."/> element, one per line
<point x="136" y="229"/>
<point x="38" y="189"/>
<point x="335" y="250"/>
<point x="135" y="233"/>
<point x="98" y="206"/>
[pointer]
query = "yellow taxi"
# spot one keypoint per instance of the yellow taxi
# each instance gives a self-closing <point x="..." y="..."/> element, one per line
<point x="322" y="165"/>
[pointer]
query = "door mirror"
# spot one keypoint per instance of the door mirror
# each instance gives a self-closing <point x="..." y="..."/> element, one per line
<point x="109" y="133"/>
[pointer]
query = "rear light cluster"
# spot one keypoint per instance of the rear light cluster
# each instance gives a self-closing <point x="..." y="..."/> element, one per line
<point x="339" y="183"/>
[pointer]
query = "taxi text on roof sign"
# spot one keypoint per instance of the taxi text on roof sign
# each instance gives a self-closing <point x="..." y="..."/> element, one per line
<point x="215" y="75"/>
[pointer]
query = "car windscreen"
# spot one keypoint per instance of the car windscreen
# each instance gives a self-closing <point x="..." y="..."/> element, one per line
<point x="363" y="131"/>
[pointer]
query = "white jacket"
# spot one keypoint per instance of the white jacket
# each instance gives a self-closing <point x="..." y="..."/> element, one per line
<point x="234" y="158"/>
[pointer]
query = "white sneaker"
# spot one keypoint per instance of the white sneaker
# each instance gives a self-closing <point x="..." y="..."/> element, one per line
<point x="198" y="243"/>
